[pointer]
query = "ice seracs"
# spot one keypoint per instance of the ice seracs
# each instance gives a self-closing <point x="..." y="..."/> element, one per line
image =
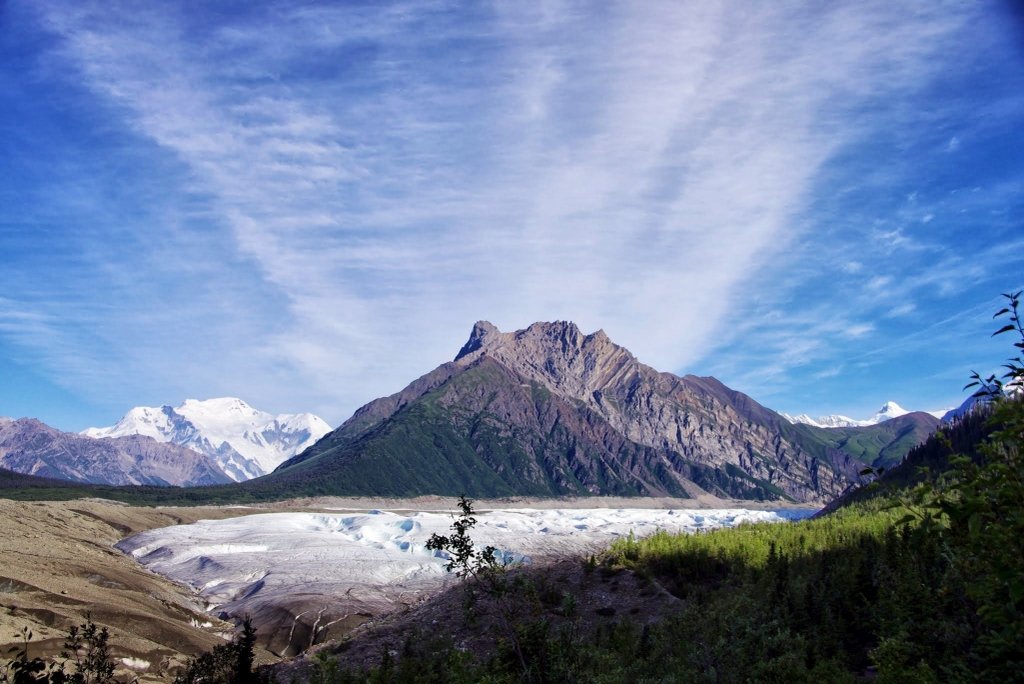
<point x="245" y="442"/>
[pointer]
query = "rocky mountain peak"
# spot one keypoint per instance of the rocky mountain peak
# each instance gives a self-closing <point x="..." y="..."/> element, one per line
<point x="551" y="410"/>
<point x="556" y="354"/>
<point x="482" y="330"/>
<point x="566" y="331"/>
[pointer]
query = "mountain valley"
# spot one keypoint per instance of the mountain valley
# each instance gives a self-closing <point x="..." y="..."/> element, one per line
<point x="545" y="411"/>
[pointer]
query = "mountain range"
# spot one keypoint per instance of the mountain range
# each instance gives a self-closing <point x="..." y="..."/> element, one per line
<point x="33" y="448"/>
<point x="889" y="410"/>
<point x="543" y="411"/>
<point x="550" y="411"/>
<point x="244" y="442"/>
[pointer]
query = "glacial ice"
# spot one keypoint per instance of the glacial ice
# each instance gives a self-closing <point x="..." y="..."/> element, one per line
<point x="374" y="560"/>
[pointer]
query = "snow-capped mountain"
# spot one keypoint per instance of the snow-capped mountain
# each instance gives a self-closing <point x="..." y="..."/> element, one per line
<point x="1011" y="389"/>
<point x="245" y="442"/>
<point x="889" y="410"/>
<point x="831" y="421"/>
<point x="962" y="410"/>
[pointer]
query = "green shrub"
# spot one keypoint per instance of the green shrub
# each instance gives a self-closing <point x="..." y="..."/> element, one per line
<point x="86" y="659"/>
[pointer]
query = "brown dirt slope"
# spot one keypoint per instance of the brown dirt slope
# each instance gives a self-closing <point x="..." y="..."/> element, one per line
<point x="58" y="564"/>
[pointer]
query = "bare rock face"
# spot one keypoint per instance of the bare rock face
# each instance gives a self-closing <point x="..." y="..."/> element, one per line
<point x="551" y="411"/>
<point x="33" y="448"/>
<point x="699" y="419"/>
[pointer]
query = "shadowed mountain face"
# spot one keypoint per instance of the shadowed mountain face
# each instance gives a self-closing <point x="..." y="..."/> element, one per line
<point x="30" y="447"/>
<point x="551" y="411"/>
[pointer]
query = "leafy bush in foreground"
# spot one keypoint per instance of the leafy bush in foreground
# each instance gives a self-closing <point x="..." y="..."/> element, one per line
<point x="87" y="655"/>
<point x="85" y="652"/>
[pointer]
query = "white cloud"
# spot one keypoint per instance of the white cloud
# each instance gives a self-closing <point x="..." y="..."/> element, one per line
<point x="852" y="267"/>
<point x="879" y="283"/>
<point x="902" y="310"/>
<point x="831" y="372"/>
<point x="891" y="240"/>
<point x="628" y="169"/>
<point x="859" y="330"/>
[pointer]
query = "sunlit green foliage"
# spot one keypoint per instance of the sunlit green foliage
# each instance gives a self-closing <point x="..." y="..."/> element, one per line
<point x="824" y="593"/>
<point x="750" y="547"/>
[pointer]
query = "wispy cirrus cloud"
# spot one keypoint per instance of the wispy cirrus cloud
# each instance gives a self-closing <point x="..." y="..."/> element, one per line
<point x="374" y="178"/>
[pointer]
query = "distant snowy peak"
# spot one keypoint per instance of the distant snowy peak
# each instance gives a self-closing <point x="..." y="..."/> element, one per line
<point x="962" y="410"/>
<point x="889" y="410"/>
<point x="821" y="421"/>
<point x="803" y="419"/>
<point x="244" y="441"/>
<point x="1011" y="389"/>
<point x="825" y="421"/>
<point x="141" y="420"/>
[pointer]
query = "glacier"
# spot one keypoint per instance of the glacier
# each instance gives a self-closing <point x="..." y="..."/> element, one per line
<point x="283" y="568"/>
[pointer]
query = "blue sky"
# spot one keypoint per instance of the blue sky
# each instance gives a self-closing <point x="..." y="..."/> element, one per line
<point x="307" y="205"/>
